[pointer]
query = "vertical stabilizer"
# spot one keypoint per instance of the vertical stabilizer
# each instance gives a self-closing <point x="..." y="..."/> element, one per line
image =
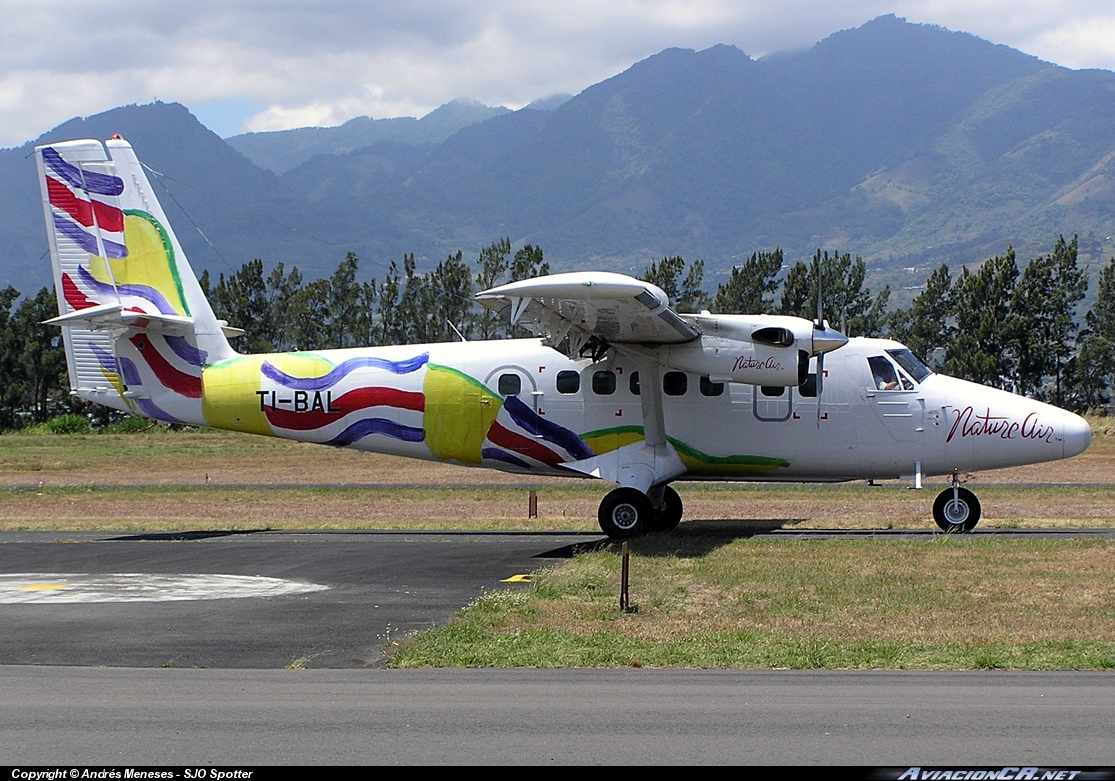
<point x="137" y="329"/>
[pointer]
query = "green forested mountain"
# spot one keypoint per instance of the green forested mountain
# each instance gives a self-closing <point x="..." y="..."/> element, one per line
<point x="907" y="144"/>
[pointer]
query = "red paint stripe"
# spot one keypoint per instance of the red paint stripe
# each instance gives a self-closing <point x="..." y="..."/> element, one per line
<point x="178" y="381"/>
<point x="108" y="218"/>
<point x="74" y="297"/>
<point x="357" y="399"/>
<point x="499" y="435"/>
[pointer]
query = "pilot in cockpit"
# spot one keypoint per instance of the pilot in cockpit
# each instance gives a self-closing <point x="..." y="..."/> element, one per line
<point x="883" y="372"/>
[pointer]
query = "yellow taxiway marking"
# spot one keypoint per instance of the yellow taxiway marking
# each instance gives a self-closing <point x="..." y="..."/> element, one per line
<point x="517" y="579"/>
<point x="43" y="587"/>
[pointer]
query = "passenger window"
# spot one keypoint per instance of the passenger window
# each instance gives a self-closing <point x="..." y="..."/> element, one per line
<point x="675" y="383"/>
<point x="710" y="388"/>
<point x="633" y="383"/>
<point x="772" y="390"/>
<point x="604" y="383"/>
<point x="568" y="382"/>
<point x="509" y="385"/>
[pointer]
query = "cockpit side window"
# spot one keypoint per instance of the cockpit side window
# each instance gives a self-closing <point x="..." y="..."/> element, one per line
<point x="882" y="370"/>
<point x="908" y="361"/>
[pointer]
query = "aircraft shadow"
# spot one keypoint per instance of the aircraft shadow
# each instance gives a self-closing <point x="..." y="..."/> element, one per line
<point x="695" y="538"/>
<point x="178" y="536"/>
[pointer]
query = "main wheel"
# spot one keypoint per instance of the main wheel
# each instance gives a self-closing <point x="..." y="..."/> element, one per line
<point x="668" y="516"/>
<point x="625" y="513"/>
<point x="959" y="516"/>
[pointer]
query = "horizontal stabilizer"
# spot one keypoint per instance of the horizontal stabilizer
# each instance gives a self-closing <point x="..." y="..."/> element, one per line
<point x="110" y="316"/>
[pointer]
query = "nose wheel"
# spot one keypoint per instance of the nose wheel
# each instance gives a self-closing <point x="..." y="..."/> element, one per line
<point x="956" y="510"/>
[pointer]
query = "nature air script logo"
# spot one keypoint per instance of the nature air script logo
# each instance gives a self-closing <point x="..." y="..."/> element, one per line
<point x="748" y="362"/>
<point x="970" y="424"/>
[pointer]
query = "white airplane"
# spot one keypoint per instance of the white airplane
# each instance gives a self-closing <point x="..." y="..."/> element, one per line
<point x="639" y="395"/>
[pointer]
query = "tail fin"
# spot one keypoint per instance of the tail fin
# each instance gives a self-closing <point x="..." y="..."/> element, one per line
<point x="136" y="326"/>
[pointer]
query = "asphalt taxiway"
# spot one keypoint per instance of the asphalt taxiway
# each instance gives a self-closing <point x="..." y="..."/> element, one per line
<point x="252" y="600"/>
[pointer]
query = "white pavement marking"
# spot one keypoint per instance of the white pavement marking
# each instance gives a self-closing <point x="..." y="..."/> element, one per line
<point x="43" y="588"/>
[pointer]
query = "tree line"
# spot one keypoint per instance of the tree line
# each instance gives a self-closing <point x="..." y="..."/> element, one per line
<point x="998" y="324"/>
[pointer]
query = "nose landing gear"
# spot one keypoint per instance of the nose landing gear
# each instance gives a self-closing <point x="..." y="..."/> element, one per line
<point x="956" y="510"/>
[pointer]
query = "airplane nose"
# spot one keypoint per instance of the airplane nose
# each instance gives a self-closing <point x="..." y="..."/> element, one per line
<point x="1078" y="435"/>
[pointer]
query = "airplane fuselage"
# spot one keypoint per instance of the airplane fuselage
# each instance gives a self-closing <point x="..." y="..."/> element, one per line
<point x="519" y="406"/>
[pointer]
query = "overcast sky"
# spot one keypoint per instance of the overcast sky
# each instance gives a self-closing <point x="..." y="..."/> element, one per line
<point x="270" y="65"/>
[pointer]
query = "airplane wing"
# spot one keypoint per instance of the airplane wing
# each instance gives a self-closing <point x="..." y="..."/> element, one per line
<point x="612" y="307"/>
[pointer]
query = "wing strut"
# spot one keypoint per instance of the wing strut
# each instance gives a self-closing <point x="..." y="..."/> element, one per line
<point x="647" y="464"/>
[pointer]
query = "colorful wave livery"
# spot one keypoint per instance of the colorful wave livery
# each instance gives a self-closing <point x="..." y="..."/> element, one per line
<point x="88" y="241"/>
<point x="178" y="381"/>
<point x="186" y="351"/>
<point x="85" y="213"/>
<point x="496" y="454"/>
<point x="382" y="426"/>
<point x="126" y="369"/>
<point x="74" y="297"/>
<point x="534" y="424"/>
<point x="353" y="401"/>
<point x="517" y="443"/>
<point x="342" y="370"/>
<point x="149" y="294"/>
<point x="90" y="181"/>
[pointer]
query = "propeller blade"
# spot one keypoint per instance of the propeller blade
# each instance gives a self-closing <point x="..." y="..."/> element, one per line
<point x="820" y="384"/>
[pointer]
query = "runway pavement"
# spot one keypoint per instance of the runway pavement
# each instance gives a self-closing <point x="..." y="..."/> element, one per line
<point x="114" y="716"/>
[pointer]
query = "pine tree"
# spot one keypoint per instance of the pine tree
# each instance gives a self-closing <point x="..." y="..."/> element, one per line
<point x="750" y="288"/>
<point x="978" y="350"/>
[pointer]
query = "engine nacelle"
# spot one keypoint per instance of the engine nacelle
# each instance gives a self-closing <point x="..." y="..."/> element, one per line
<point x="753" y="349"/>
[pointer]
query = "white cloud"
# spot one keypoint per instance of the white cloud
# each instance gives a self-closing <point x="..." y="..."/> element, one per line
<point x="326" y="61"/>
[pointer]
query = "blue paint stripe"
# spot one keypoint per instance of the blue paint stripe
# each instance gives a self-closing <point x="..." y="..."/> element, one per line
<point x="139" y="291"/>
<point x="152" y="410"/>
<point x="342" y="370"/>
<point x="87" y="241"/>
<point x="90" y="181"/>
<point x="369" y="426"/>
<point x="105" y="359"/>
<point x="530" y="420"/>
<point x="495" y="454"/>
<point x="186" y="351"/>
<point x="130" y="372"/>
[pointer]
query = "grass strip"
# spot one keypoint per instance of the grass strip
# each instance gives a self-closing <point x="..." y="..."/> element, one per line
<point x="944" y="603"/>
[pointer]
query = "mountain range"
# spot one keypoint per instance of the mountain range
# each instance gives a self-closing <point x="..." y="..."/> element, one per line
<point x="908" y="144"/>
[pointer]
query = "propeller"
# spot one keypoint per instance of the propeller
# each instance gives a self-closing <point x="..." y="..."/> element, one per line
<point x="825" y="339"/>
<point x="819" y="325"/>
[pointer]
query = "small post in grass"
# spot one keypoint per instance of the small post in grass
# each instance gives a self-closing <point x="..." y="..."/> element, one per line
<point x="624" y="602"/>
<point x="532" y="504"/>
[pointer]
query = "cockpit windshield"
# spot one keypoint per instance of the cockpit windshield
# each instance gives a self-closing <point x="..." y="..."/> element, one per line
<point x="908" y="361"/>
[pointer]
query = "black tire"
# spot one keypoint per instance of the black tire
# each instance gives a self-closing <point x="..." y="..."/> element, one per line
<point x="959" y="518"/>
<point x="669" y="515"/>
<point x="625" y="513"/>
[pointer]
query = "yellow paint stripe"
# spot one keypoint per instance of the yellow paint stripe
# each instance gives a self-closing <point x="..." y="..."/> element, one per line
<point x="43" y="587"/>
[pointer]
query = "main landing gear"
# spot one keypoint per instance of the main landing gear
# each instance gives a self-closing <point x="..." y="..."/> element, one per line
<point x="956" y="510"/>
<point x="628" y="512"/>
